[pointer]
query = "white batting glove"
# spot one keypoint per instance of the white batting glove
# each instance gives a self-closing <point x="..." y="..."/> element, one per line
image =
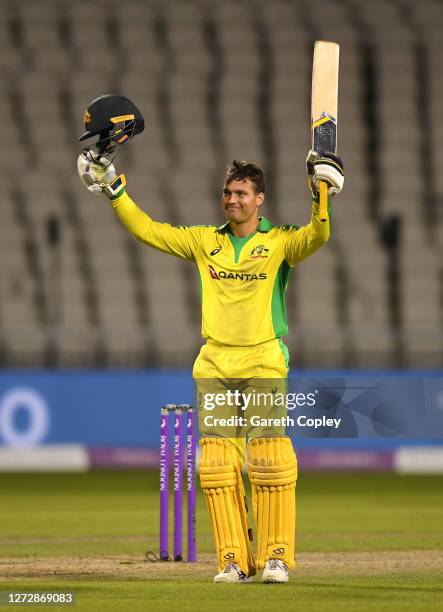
<point x="100" y="176"/>
<point x="328" y="168"/>
<point x="95" y="174"/>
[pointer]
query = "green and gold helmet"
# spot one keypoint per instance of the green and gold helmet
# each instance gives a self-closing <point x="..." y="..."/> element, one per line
<point x="115" y="120"/>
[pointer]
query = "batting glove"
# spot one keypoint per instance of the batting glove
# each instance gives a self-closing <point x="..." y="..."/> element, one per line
<point x="329" y="168"/>
<point x="100" y="176"/>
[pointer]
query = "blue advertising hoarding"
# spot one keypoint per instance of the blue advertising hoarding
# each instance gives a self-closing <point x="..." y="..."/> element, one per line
<point x="121" y="409"/>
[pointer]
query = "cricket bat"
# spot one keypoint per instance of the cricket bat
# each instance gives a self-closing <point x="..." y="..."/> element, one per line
<point x="324" y="103"/>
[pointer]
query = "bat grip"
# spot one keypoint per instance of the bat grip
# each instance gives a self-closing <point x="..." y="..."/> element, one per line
<point x="323" y="201"/>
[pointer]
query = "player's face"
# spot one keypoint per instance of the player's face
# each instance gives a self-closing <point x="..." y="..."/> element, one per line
<point x="240" y="202"/>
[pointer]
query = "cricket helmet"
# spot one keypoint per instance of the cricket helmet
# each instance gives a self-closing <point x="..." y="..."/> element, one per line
<point x="115" y="120"/>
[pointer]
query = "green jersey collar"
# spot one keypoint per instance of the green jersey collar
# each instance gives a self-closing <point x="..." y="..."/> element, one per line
<point x="264" y="226"/>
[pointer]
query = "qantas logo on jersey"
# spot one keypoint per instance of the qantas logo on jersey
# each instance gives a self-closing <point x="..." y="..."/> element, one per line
<point x="213" y="273"/>
<point x="243" y="276"/>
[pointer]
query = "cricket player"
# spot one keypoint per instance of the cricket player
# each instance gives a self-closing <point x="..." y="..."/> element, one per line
<point x="244" y="266"/>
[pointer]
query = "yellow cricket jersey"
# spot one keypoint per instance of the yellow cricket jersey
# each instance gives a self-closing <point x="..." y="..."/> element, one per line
<point x="243" y="280"/>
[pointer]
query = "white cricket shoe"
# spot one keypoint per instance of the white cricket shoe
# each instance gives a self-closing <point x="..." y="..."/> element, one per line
<point x="233" y="574"/>
<point x="275" y="571"/>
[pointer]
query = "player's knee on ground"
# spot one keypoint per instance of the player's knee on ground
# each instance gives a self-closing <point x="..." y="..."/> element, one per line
<point x="272" y="468"/>
<point x="221" y="481"/>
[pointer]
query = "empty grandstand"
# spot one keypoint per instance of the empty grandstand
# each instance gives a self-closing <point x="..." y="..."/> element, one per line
<point x="218" y="80"/>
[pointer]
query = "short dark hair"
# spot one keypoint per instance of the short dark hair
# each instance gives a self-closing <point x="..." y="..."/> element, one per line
<point x="242" y="170"/>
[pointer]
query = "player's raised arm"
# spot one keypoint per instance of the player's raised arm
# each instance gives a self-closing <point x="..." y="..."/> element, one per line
<point x="179" y="241"/>
<point x="303" y="241"/>
<point x="116" y="120"/>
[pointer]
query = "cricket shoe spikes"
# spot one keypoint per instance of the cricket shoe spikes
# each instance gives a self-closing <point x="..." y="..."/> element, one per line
<point x="233" y="574"/>
<point x="275" y="571"/>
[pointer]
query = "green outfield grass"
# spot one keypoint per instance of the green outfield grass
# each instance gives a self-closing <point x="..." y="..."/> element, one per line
<point x="365" y="542"/>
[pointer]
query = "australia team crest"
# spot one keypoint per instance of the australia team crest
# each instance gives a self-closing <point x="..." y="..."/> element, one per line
<point x="259" y="252"/>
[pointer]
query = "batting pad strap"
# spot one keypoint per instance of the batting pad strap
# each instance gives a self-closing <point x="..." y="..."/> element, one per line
<point x="275" y="476"/>
<point x="272" y="462"/>
<point x="218" y="476"/>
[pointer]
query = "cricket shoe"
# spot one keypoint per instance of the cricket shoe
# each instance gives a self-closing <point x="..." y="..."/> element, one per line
<point x="233" y="574"/>
<point x="275" y="571"/>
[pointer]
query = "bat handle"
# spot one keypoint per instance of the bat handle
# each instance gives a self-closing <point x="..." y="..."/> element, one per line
<point x="323" y="201"/>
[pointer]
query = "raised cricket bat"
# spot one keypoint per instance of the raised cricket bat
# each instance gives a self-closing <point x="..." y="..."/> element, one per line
<point x="324" y="103"/>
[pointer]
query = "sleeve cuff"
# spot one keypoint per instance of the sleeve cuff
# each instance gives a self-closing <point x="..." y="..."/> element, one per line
<point x="118" y="195"/>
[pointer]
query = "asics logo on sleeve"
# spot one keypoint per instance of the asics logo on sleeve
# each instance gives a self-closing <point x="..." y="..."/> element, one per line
<point x="215" y="251"/>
